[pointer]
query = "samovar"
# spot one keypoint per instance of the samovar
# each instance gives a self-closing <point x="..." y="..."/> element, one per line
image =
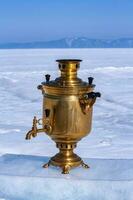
<point x="67" y="113"/>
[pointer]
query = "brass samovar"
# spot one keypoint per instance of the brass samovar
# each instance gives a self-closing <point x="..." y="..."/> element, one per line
<point x="67" y="113"/>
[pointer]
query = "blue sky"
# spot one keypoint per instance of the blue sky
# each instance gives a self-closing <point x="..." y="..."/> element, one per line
<point x="37" y="20"/>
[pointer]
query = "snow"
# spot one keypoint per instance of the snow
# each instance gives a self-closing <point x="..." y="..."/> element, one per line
<point x="109" y="147"/>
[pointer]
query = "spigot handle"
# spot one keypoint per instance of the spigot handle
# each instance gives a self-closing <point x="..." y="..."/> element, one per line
<point x="34" y="126"/>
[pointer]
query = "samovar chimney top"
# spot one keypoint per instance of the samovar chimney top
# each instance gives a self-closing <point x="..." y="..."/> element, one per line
<point x="68" y="60"/>
<point x="68" y="68"/>
<point x="69" y="65"/>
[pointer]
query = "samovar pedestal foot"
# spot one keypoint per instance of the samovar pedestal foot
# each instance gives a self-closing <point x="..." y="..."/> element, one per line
<point x="46" y="165"/>
<point x="84" y="165"/>
<point x="66" y="169"/>
<point x="66" y="158"/>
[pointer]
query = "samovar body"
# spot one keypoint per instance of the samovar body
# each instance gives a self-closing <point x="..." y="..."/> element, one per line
<point x="67" y="113"/>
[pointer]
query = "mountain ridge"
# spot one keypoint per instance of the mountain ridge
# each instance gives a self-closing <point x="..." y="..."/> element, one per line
<point x="76" y="42"/>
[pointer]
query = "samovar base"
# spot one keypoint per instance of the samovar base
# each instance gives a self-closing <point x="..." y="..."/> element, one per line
<point x="66" y="158"/>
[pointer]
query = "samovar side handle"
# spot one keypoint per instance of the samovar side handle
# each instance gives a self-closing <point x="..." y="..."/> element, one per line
<point x="87" y="101"/>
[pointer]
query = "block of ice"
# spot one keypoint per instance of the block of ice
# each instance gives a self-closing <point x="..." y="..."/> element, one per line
<point x="22" y="177"/>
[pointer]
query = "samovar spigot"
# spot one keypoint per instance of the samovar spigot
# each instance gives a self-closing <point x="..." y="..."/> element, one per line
<point x="33" y="132"/>
<point x="47" y="128"/>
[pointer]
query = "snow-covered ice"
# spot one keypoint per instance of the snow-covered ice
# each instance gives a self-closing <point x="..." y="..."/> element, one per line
<point x="111" y="137"/>
<point x="23" y="178"/>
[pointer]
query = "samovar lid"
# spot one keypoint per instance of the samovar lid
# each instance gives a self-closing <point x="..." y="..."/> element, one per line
<point x="68" y="81"/>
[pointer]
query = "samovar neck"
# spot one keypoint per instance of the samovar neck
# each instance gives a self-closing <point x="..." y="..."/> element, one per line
<point x="68" y="68"/>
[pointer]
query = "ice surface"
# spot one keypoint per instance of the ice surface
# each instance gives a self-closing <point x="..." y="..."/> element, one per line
<point x="112" y="134"/>
<point x="22" y="177"/>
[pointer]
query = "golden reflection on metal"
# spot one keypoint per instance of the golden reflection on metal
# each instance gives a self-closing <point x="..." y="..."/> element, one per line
<point x="67" y="113"/>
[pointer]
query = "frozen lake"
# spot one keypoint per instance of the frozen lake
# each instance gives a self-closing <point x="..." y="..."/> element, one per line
<point x="22" y="70"/>
<point x="112" y="133"/>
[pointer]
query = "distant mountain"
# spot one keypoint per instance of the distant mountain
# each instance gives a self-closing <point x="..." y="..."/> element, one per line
<point x="78" y="42"/>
